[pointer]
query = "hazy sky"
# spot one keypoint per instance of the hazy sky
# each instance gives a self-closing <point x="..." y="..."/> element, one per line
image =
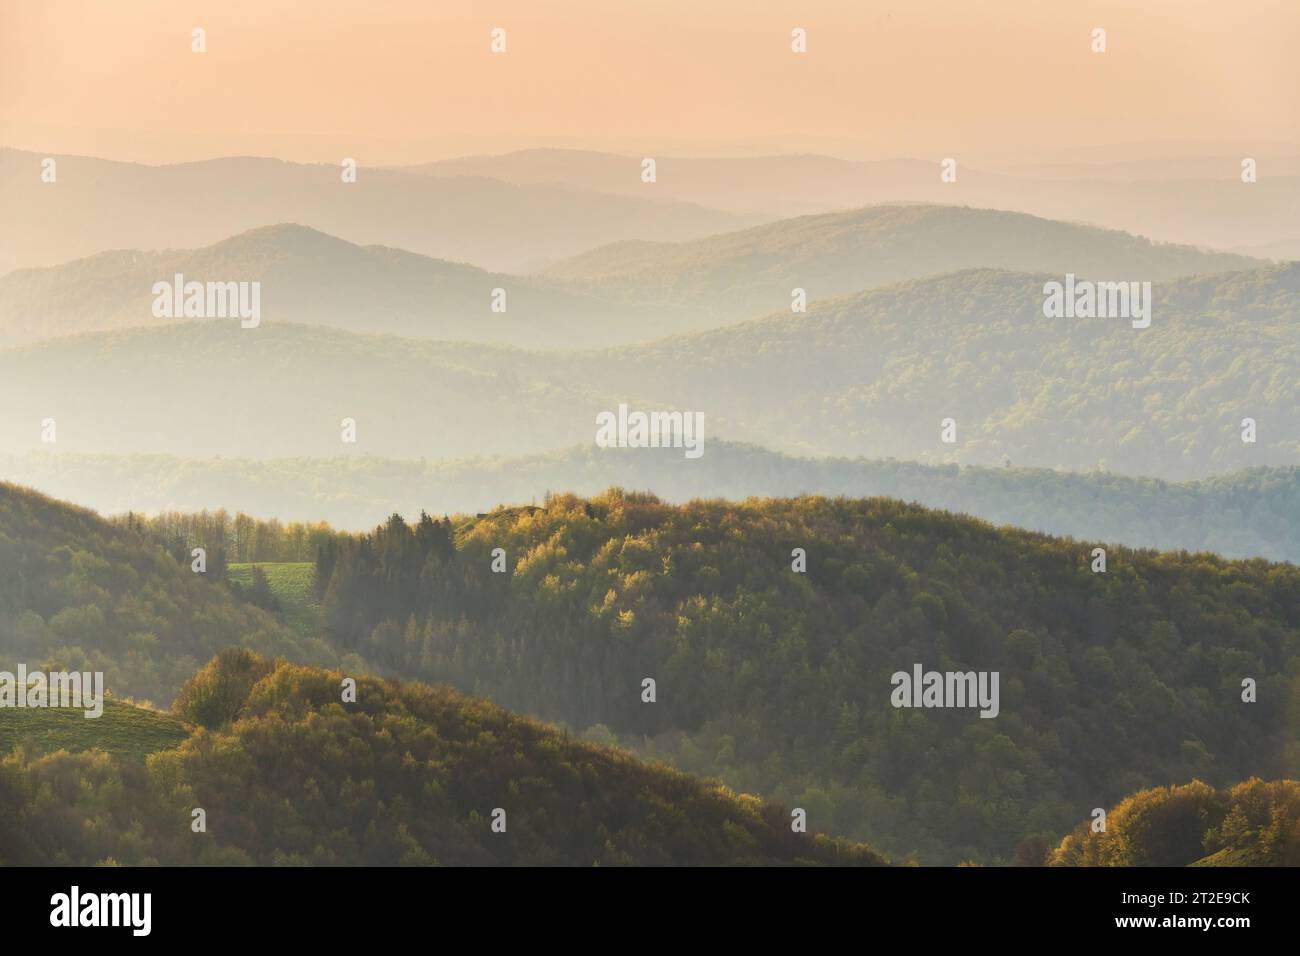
<point x="391" y="81"/>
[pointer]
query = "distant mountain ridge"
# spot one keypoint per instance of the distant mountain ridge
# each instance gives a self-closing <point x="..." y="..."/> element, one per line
<point x="96" y="205"/>
<point x="877" y="373"/>
<point x="309" y="277"/>
<point x="754" y="271"/>
<point x="871" y="375"/>
<point x="1198" y="199"/>
<point x="781" y="185"/>
<point x="631" y="291"/>
<point x="1254" y="513"/>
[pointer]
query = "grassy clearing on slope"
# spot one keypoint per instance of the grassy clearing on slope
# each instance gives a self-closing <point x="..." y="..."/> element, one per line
<point x="292" y="584"/>
<point x="122" y="729"/>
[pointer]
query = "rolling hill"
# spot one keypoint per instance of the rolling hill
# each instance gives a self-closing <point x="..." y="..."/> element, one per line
<point x="790" y="185"/>
<point x="773" y="679"/>
<point x="778" y="680"/>
<point x="1254" y="823"/>
<point x="874" y="375"/>
<point x="1253" y="513"/>
<point x="97" y="205"/>
<point x="309" y="277"/>
<point x="283" y="389"/>
<point x="752" y="272"/>
<point x="79" y="593"/>
<point x="1179" y="194"/>
<point x="628" y="292"/>
<point x="122" y="730"/>
<point x="406" y="775"/>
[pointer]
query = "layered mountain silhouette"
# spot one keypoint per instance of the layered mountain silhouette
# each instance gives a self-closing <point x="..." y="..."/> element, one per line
<point x="1200" y="199"/>
<point x="619" y="294"/>
<point x="525" y="210"/>
<point x="97" y="205"/>
<point x="786" y="185"/>
<point x="309" y="277"/>
<point x="873" y="375"/>
<point x="754" y="271"/>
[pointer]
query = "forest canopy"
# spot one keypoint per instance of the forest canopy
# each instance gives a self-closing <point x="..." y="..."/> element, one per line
<point x="778" y="681"/>
<point x="286" y="773"/>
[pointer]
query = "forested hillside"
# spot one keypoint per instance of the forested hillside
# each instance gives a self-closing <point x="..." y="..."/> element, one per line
<point x="752" y="272"/>
<point x="779" y="681"/>
<point x="633" y="291"/>
<point x="287" y="773"/>
<point x="296" y="384"/>
<point x="1252" y="513"/>
<point x="874" y="374"/>
<point x="1254" y="823"/>
<point x="773" y="679"/>
<point x="78" y="593"/>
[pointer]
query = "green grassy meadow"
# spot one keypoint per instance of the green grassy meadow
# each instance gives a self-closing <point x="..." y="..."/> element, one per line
<point x="291" y="582"/>
<point x="122" y="729"/>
